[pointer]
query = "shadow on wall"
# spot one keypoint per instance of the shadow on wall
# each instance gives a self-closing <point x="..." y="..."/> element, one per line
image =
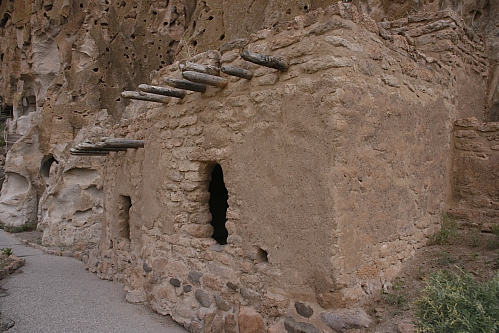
<point x="124" y="205"/>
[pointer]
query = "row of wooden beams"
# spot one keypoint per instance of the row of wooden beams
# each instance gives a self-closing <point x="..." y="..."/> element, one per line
<point x="199" y="76"/>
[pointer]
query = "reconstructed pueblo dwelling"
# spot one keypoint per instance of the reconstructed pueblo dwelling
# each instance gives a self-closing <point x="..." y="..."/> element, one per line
<point x="287" y="181"/>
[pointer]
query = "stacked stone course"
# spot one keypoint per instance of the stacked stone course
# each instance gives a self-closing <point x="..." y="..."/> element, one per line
<point x="474" y="177"/>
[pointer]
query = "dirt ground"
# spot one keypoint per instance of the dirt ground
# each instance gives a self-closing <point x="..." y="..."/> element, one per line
<point x="467" y="249"/>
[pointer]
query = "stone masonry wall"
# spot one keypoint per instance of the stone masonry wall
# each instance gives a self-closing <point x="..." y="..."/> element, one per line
<point x="336" y="172"/>
<point x="474" y="175"/>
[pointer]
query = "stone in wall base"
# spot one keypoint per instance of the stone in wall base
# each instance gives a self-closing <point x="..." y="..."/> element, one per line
<point x="483" y="218"/>
<point x="136" y="296"/>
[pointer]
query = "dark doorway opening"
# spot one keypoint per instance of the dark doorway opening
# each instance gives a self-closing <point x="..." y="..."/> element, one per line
<point x="47" y="162"/>
<point x="218" y="205"/>
<point x="124" y="205"/>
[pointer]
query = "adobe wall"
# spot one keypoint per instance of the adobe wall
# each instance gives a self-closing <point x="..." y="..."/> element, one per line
<point x="474" y="176"/>
<point x="336" y="172"/>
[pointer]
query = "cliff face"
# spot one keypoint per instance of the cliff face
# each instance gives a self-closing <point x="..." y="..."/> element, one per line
<point x="334" y="170"/>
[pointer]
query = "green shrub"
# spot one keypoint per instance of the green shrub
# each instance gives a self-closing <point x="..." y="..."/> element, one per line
<point x="447" y="230"/>
<point x="18" y="228"/>
<point x="475" y="238"/>
<point x="446" y="259"/>
<point x="456" y="303"/>
<point x="396" y="296"/>
<point x="7" y="251"/>
<point x="493" y="243"/>
<point x="495" y="229"/>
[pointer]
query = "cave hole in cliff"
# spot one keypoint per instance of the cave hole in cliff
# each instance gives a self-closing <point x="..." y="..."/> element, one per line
<point x="124" y="205"/>
<point x="47" y="162"/>
<point x="476" y="15"/>
<point x="4" y="19"/>
<point x="7" y="110"/>
<point x="218" y="205"/>
<point x="262" y="255"/>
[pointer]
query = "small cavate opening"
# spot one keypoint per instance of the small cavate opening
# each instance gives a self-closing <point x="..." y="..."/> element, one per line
<point x="124" y="205"/>
<point x="262" y="255"/>
<point x="46" y="164"/>
<point x="218" y="205"/>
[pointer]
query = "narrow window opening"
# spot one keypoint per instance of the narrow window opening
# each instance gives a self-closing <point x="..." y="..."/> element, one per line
<point x="218" y="205"/>
<point x="124" y="205"/>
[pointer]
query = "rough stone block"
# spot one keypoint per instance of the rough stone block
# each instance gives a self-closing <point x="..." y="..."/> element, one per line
<point x="324" y="63"/>
<point x="304" y="310"/>
<point x="221" y="304"/>
<point x="136" y="296"/>
<point x="333" y="24"/>
<point x="284" y="41"/>
<point x="489" y="127"/>
<point x="345" y="319"/>
<point x="231" y="323"/>
<point x="175" y="282"/>
<point x="390" y="80"/>
<point x="199" y="230"/>
<point x="195" y="276"/>
<point x="470" y="134"/>
<point x="218" y="324"/>
<point x="467" y="122"/>
<point x="200" y="218"/>
<point x="339" y="41"/>
<point x="249" y="294"/>
<point x="203" y="298"/>
<point x="293" y="326"/>
<point x="250" y="321"/>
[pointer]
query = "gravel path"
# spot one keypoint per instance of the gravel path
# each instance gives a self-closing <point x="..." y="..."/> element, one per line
<point x="52" y="294"/>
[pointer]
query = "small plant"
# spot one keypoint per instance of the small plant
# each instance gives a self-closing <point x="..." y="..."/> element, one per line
<point x="396" y="295"/>
<point x="455" y="302"/>
<point x="446" y="259"/>
<point x="448" y="229"/>
<point x="421" y="273"/>
<point x="493" y="244"/>
<point x="20" y="228"/>
<point x="7" y="251"/>
<point x="475" y="238"/>
<point x="495" y="263"/>
<point x="495" y="230"/>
